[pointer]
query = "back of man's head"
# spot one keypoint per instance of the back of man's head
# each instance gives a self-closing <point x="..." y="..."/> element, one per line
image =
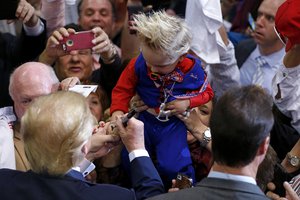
<point x="241" y="120"/>
<point x="55" y="127"/>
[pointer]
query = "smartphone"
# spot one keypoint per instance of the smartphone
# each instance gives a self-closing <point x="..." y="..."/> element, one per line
<point x="183" y="181"/>
<point x="133" y="10"/>
<point x="251" y="22"/>
<point x="78" y="41"/>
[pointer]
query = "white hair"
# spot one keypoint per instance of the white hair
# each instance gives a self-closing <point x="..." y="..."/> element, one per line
<point x="160" y="31"/>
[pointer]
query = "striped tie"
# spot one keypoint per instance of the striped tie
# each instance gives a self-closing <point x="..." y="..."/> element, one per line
<point x="258" y="77"/>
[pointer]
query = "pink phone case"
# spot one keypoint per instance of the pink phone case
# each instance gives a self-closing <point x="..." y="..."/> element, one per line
<point x="78" y="41"/>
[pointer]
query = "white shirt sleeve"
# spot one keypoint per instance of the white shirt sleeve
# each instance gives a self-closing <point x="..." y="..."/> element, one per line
<point x="225" y="74"/>
<point x="85" y="167"/>
<point x="7" y="150"/>
<point x="35" y="30"/>
<point x="286" y="93"/>
<point x="137" y="153"/>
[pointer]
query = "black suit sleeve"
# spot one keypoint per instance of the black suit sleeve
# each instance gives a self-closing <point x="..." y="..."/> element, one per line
<point x="243" y="51"/>
<point x="145" y="179"/>
<point x="15" y="51"/>
<point x="8" y="9"/>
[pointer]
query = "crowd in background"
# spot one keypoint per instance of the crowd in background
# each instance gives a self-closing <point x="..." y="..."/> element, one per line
<point x="211" y="88"/>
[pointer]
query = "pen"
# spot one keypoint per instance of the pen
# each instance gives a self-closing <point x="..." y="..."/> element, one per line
<point x="128" y="116"/>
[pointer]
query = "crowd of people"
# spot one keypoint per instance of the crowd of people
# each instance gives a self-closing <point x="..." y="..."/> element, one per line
<point x="165" y="120"/>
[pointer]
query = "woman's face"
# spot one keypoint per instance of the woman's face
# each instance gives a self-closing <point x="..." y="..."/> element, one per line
<point x="95" y="106"/>
<point x="204" y="112"/>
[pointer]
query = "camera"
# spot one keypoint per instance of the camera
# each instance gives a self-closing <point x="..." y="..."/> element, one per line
<point x="183" y="181"/>
<point x="78" y="41"/>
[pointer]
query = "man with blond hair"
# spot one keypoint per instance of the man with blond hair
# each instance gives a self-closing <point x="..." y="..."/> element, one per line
<point x="57" y="131"/>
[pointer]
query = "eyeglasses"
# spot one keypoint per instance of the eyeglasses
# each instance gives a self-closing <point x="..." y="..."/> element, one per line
<point x="281" y="37"/>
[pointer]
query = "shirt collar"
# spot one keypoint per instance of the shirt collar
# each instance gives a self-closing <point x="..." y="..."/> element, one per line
<point x="272" y="59"/>
<point x="247" y="179"/>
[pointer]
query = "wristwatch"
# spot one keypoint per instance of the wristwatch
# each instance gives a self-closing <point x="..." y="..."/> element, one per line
<point x="293" y="160"/>
<point x="206" y="137"/>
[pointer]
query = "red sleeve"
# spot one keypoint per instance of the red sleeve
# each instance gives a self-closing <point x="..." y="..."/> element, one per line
<point x="124" y="89"/>
<point x="202" y="98"/>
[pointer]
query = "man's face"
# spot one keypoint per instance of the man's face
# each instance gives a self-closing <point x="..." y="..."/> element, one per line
<point x="96" y="13"/>
<point x="264" y="32"/>
<point x="25" y="93"/>
<point x="78" y="63"/>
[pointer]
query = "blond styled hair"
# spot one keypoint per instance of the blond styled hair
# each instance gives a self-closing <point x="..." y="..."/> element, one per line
<point x="55" y="128"/>
<point x="160" y="31"/>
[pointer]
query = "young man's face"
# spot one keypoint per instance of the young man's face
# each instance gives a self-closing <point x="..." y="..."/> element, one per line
<point x="264" y="32"/>
<point x="158" y="62"/>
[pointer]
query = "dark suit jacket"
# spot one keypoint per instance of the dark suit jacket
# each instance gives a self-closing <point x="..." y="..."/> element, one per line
<point x="29" y="185"/>
<point x="215" y="188"/>
<point x="15" y="51"/>
<point x="8" y="9"/>
<point x="243" y="51"/>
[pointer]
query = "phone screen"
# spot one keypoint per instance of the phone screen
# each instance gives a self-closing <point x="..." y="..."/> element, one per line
<point x="251" y="21"/>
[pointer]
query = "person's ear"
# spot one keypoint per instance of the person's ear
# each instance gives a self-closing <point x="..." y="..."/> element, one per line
<point x="263" y="147"/>
<point x="85" y="148"/>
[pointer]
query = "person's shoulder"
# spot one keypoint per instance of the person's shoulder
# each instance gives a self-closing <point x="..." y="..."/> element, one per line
<point x="248" y="43"/>
<point x="7" y="174"/>
<point x="243" y="50"/>
<point x="223" y="187"/>
<point x="109" y="192"/>
<point x="190" y="193"/>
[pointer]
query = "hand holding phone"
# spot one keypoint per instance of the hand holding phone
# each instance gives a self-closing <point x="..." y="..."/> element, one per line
<point x="183" y="181"/>
<point x="78" y="41"/>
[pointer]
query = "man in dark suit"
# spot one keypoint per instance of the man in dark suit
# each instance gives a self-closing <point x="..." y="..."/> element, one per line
<point x="57" y="130"/>
<point x="17" y="50"/>
<point x="240" y="126"/>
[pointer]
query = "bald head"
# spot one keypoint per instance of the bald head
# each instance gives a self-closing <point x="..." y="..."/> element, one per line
<point x="29" y="81"/>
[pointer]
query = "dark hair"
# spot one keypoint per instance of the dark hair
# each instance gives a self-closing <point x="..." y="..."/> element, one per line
<point x="241" y="119"/>
<point x="102" y="95"/>
<point x="113" y="7"/>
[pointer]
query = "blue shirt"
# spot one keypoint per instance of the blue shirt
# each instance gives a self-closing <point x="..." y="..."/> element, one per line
<point x="249" y="68"/>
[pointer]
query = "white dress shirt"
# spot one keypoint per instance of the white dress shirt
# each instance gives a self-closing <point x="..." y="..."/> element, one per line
<point x="286" y="93"/>
<point x="7" y="150"/>
<point x="226" y="74"/>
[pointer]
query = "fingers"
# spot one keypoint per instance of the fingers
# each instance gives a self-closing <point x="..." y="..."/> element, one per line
<point x="69" y="82"/>
<point x="137" y="104"/>
<point x="101" y="41"/>
<point x="61" y="33"/>
<point x="24" y="11"/>
<point x="273" y="196"/>
<point x="271" y="186"/>
<point x="290" y="192"/>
